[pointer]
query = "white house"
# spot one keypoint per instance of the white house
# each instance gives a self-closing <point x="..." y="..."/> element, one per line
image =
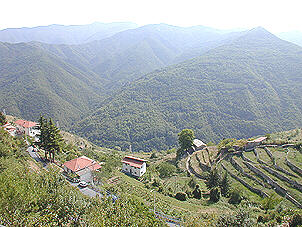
<point x="198" y="144"/>
<point x="28" y="127"/>
<point x="134" y="166"/>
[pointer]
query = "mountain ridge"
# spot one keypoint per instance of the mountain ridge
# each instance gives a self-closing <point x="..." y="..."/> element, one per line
<point x="239" y="89"/>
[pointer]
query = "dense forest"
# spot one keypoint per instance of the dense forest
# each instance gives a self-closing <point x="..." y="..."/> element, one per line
<point x="242" y="89"/>
<point x="67" y="82"/>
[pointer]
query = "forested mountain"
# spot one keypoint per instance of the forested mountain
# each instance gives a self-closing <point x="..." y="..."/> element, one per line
<point x="59" y="34"/>
<point x="293" y="36"/>
<point x="82" y="75"/>
<point x="33" y="81"/>
<point x="248" y="87"/>
<point x="127" y="55"/>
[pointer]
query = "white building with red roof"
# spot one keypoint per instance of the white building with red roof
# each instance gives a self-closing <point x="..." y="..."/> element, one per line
<point x="82" y="166"/>
<point x="29" y="128"/>
<point x="134" y="166"/>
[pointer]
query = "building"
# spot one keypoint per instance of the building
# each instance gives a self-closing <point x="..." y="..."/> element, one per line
<point x="198" y="144"/>
<point x="27" y="127"/>
<point x="256" y="142"/>
<point x="134" y="166"/>
<point x="83" y="167"/>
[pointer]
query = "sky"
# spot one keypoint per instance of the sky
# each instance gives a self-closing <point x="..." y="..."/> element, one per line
<point x="274" y="15"/>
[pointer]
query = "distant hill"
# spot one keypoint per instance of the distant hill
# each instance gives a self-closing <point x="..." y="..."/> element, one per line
<point x="79" y="77"/>
<point x="63" y="34"/>
<point x="293" y="36"/>
<point x="248" y="87"/>
<point x="127" y="55"/>
<point x="33" y="81"/>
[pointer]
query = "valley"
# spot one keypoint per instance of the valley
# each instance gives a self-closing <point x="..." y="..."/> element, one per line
<point x="100" y="94"/>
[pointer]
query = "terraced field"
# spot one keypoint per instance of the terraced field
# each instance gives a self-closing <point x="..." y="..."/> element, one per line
<point x="264" y="171"/>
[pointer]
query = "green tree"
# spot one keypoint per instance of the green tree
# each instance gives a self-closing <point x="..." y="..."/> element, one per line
<point x="215" y="194"/>
<point x="270" y="202"/>
<point x="185" y="139"/>
<point x="213" y="179"/>
<point x="225" y="185"/>
<point x="2" y="119"/>
<point x="54" y="142"/>
<point x="50" y="138"/>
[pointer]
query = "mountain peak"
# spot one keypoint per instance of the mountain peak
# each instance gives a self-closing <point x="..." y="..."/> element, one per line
<point x="259" y="31"/>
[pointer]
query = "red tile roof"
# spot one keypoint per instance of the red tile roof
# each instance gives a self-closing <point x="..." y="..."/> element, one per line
<point x="82" y="163"/>
<point x="25" y="124"/>
<point x="133" y="161"/>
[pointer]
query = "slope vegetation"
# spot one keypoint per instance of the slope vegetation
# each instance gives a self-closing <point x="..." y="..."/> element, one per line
<point x="247" y="87"/>
<point x="33" y="81"/>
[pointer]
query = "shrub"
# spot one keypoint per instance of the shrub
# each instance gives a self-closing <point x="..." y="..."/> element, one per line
<point x="197" y="192"/>
<point x="235" y="197"/>
<point x="240" y="219"/>
<point x="166" y="169"/>
<point x="181" y="196"/>
<point x="270" y="202"/>
<point x="296" y="220"/>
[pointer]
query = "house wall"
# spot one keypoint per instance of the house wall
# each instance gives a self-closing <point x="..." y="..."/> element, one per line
<point x="133" y="170"/>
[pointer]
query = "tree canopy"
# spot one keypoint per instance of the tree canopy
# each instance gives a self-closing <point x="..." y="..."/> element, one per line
<point x="2" y="118"/>
<point x="185" y="138"/>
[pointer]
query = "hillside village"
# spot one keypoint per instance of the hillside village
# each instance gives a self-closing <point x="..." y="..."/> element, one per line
<point x="258" y="166"/>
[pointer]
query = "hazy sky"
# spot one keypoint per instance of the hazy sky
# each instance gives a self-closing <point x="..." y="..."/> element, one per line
<point x="274" y="15"/>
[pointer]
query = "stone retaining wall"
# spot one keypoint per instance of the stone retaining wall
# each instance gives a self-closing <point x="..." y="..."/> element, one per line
<point x="280" y="190"/>
<point x="292" y="183"/>
<point x="269" y="153"/>
<point x="202" y="166"/>
<point x="252" y="189"/>
<point x="240" y="169"/>
<point x="293" y="167"/>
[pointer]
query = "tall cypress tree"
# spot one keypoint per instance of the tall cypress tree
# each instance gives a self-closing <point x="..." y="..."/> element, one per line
<point x="50" y="138"/>
<point x="55" y="139"/>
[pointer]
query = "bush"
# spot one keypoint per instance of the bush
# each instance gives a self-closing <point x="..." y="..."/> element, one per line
<point x="235" y="197"/>
<point x="296" y="220"/>
<point x="181" y="196"/>
<point x="240" y="219"/>
<point x="166" y="169"/>
<point x="197" y="192"/>
<point x="270" y="202"/>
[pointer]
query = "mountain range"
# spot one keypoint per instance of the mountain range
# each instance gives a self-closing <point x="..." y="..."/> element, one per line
<point x="62" y="34"/>
<point x="140" y="86"/>
<point x="247" y="87"/>
<point x="67" y="82"/>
